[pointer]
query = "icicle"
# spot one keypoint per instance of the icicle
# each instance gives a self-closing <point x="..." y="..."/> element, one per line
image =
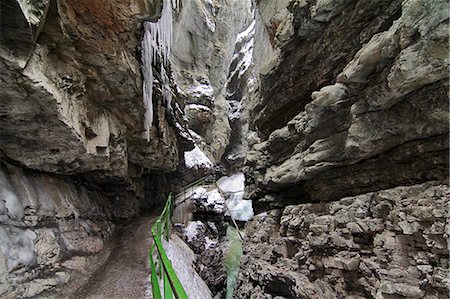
<point x="156" y="44"/>
<point x="147" y="58"/>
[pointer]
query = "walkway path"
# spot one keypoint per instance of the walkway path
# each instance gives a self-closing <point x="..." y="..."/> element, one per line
<point x="125" y="273"/>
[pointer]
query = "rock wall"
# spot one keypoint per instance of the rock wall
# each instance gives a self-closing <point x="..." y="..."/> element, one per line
<point x="74" y="105"/>
<point x="51" y="231"/>
<point x="75" y="157"/>
<point x="386" y="244"/>
<point x="352" y="98"/>
<point x="346" y="106"/>
<point x="365" y="94"/>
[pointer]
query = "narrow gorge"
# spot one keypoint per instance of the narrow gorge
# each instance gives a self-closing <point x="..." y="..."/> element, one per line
<point x="305" y="145"/>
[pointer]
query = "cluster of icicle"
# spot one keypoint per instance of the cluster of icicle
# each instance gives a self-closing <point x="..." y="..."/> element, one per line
<point x="156" y="44"/>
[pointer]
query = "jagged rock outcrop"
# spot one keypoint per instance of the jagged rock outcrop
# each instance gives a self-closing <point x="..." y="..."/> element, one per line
<point x="203" y="229"/>
<point x="387" y="244"/>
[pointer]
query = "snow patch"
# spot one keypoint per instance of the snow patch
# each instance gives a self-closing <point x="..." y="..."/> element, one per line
<point x="182" y="131"/>
<point x="192" y="229"/>
<point x="262" y="215"/>
<point x="215" y="201"/>
<point x="210" y="243"/>
<point x="245" y="55"/>
<point x="198" y="193"/>
<point x="198" y="107"/>
<point x="196" y="159"/>
<point x="211" y="200"/>
<point x="200" y="90"/>
<point x="197" y="138"/>
<point x="209" y="22"/>
<point x="235" y="108"/>
<point x="214" y="197"/>
<point x="212" y="226"/>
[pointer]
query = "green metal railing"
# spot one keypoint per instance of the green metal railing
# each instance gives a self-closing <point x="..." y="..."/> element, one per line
<point x="161" y="267"/>
<point x="196" y="183"/>
<point x="160" y="264"/>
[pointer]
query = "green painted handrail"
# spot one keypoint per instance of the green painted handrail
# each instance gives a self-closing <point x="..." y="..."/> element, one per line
<point x="163" y="265"/>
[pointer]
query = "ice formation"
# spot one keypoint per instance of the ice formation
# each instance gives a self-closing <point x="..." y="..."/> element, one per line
<point x="240" y="209"/>
<point x="233" y="186"/>
<point x="10" y="199"/>
<point x="233" y="183"/>
<point x="156" y="44"/>
<point x="17" y="246"/>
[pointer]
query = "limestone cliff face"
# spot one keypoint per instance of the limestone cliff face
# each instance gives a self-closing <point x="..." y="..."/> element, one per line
<point x="352" y="98"/>
<point x="362" y="94"/>
<point x="386" y="244"/>
<point x="72" y="99"/>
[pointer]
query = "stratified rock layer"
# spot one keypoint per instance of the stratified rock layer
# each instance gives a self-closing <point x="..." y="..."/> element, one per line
<point x="352" y="98"/>
<point x="380" y="105"/>
<point x="71" y="121"/>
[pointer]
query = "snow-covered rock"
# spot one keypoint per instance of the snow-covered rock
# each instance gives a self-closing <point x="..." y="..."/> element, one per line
<point x="207" y="201"/>
<point x="196" y="159"/>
